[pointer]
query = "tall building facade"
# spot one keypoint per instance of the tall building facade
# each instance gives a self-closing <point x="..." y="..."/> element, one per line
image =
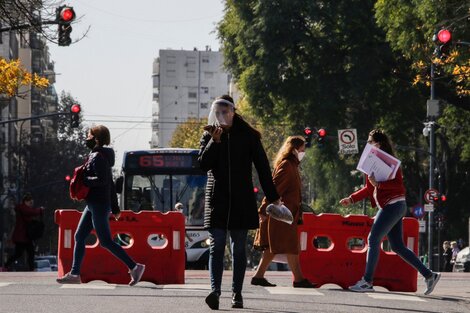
<point x="185" y="83"/>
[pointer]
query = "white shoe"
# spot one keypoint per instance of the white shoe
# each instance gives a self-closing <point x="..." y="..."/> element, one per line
<point x="431" y="282"/>
<point x="362" y="286"/>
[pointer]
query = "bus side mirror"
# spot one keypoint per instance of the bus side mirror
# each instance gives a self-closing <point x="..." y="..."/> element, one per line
<point x="119" y="183"/>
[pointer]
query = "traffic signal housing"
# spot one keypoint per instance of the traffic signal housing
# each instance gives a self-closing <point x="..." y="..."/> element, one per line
<point x="443" y="41"/>
<point x="64" y="17"/>
<point x="321" y="136"/>
<point x="75" y="115"/>
<point x="308" y="133"/>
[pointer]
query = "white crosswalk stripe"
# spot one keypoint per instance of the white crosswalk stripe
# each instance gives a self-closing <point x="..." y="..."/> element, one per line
<point x="293" y="291"/>
<point x="394" y="296"/>
<point x="4" y="284"/>
<point x="204" y="287"/>
<point x="89" y="286"/>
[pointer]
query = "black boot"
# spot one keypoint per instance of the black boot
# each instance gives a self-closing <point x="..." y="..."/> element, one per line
<point x="237" y="300"/>
<point x="212" y="300"/>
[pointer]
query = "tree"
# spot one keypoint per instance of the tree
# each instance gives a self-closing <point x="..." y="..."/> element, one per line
<point x="188" y="134"/>
<point x="321" y="64"/>
<point x="13" y="76"/>
<point x="49" y="162"/>
<point x="37" y="16"/>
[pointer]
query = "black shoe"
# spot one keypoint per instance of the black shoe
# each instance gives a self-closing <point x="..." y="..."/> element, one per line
<point x="237" y="300"/>
<point x="261" y="282"/>
<point x="212" y="300"/>
<point x="304" y="283"/>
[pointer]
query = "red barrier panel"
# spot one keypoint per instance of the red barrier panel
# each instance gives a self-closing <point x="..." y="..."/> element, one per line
<point x="343" y="261"/>
<point x="151" y="238"/>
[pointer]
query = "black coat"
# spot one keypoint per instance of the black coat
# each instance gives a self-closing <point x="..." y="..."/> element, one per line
<point x="230" y="199"/>
<point x="99" y="177"/>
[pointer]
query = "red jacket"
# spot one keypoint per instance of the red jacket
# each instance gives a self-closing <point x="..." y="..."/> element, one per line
<point x="24" y="214"/>
<point x="386" y="191"/>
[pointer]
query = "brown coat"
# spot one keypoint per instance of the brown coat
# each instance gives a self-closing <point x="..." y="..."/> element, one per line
<point x="280" y="237"/>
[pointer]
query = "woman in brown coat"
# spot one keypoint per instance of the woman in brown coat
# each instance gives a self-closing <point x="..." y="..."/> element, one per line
<point x="276" y="237"/>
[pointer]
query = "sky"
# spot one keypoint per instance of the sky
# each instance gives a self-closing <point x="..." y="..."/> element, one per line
<point x="109" y="70"/>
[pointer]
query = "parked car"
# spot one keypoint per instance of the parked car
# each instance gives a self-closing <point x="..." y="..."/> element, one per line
<point x="462" y="261"/>
<point x="42" y="266"/>
<point x="52" y="260"/>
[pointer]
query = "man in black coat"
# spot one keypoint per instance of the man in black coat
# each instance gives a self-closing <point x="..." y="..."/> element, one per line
<point x="228" y="150"/>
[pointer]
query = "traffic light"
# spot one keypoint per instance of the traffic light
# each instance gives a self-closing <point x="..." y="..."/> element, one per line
<point x="321" y="136"/>
<point x="64" y="17"/>
<point x="67" y="178"/>
<point x="443" y="41"/>
<point x="308" y="133"/>
<point x="75" y="115"/>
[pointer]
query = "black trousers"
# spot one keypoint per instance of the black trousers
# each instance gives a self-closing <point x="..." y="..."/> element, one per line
<point x="20" y="247"/>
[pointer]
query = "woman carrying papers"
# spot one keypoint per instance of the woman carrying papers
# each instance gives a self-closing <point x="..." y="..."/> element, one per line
<point x="389" y="197"/>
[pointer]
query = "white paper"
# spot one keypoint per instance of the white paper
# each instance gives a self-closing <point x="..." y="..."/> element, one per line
<point x="383" y="165"/>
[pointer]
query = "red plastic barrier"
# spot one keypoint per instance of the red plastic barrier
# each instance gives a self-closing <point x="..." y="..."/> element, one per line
<point x="157" y="241"/>
<point x="343" y="262"/>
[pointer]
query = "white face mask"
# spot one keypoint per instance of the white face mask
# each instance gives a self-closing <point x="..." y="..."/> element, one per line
<point x="300" y="155"/>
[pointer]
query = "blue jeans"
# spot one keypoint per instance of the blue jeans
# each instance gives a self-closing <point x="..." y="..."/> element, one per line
<point x="218" y="239"/>
<point x="388" y="221"/>
<point x="96" y="216"/>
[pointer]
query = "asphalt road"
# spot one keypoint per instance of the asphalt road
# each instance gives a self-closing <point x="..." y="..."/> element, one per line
<point x="22" y="292"/>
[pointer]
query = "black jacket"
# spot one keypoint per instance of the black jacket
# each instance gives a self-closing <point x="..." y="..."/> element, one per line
<point x="230" y="199"/>
<point x="98" y="176"/>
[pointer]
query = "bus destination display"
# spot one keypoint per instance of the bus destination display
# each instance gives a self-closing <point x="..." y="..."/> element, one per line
<point x="165" y="161"/>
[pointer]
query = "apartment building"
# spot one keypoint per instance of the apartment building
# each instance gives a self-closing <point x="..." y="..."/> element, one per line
<point x="185" y="83"/>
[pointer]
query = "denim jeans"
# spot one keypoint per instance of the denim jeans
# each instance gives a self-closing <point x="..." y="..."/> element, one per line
<point x="96" y="216"/>
<point x="218" y="239"/>
<point x="388" y="221"/>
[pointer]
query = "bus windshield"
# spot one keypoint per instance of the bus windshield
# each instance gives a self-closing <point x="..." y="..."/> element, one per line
<point x="168" y="192"/>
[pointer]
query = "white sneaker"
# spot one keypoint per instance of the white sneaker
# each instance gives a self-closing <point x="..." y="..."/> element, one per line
<point x="431" y="282"/>
<point x="362" y="286"/>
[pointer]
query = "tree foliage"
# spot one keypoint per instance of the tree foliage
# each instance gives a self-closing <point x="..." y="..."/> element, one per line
<point x="49" y="162"/>
<point x="188" y="134"/>
<point x="346" y="64"/>
<point x="13" y="75"/>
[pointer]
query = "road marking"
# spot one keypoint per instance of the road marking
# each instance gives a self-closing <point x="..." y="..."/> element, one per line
<point x="4" y="284"/>
<point x="88" y="286"/>
<point x="392" y="296"/>
<point x="293" y="291"/>
<point x="188" y="286"/>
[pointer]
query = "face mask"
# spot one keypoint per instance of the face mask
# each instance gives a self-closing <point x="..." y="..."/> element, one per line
<point x="91" y="143"/>
<point x="300" y="155"/>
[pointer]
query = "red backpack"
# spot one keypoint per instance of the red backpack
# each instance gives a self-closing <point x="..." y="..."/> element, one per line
<point x="78" y="190"/>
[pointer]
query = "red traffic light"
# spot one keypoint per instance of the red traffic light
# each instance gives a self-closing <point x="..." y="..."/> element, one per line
<point x="67" y="177"/>
<point x="67" y="14"/>
<point x="321" y="132"/>
<point x="255" y="189"/>
<point x="75" y="108"/>
<point x="443" y="198"/>
<point x="444" y="36"/>
<point x="307" y="131"/>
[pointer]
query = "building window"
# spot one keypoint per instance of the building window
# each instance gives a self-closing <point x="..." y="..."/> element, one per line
<point x="190" y="74"/>
<point x="205" y="90"/>
<point x="192" y="94"/>
<point x="191" y="60"/>
<point x="205" y="59"/>
<point x="204" y="105"/>
<point x="171" y="59"/>
<point x="208" y="75"/>
<point x="171" y="73"/>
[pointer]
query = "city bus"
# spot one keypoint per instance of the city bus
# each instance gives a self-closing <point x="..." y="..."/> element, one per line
<point x="169" y="179"/>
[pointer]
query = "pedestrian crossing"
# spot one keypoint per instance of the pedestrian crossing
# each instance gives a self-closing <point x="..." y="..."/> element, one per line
<point x="279" y="290"/>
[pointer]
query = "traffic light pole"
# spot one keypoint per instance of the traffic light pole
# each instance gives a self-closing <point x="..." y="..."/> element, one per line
<point x="432" y="151"/>
<point x="34" y="117"/>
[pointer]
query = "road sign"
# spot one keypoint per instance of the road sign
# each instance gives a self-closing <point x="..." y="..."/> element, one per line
<point x="347" y="139"/>
<point x="430" y="194"/>
<point x="422" y="226"/>
<point x="418" y="211"/>
<point x="429" y="207"/>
